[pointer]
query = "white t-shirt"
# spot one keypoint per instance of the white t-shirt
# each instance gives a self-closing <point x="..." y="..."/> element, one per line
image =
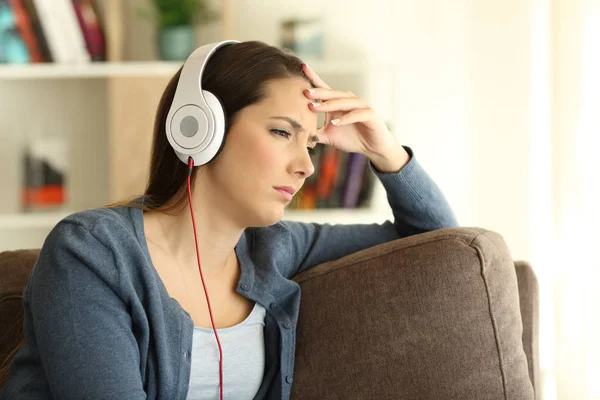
<point x="243" y="359"/>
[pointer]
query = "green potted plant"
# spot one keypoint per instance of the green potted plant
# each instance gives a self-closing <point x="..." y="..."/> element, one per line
<point x="175" y="20"/>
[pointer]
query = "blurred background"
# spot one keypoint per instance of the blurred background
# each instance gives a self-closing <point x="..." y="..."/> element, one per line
<point x="499" y="99"/>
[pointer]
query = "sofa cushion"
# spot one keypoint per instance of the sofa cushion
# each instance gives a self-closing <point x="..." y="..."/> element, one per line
<point x="432" y="316"/>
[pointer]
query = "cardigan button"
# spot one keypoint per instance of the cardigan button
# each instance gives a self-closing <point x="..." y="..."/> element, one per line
<point x="273" y="305"/>
<point x="245" y="286"/>
<point x="289" y="379"/>
<point x="287" y="325"/>
<point x="186" y="354"/>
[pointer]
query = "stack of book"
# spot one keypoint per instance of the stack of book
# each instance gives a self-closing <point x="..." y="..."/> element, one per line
<point x="340" y="180"/>
<point x="44" y="174"/>
<point x="60" y="31"/>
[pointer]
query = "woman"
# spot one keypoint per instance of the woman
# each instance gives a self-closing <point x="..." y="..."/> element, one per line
<point x="115" y="307"/>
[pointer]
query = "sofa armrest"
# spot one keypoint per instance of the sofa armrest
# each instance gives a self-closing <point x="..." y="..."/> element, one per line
<point x="529" y="299"/>
<point x="15" y="267"/>
<point x="431" y="316"/>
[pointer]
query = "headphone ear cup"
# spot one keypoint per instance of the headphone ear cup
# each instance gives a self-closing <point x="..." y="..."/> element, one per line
<point x="216" y="106"/>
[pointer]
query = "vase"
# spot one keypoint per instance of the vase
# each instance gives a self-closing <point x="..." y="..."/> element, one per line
<point x="176" y="43"/>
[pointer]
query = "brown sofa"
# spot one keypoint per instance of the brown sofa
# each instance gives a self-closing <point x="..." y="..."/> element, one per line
<point x="441" y="315"/>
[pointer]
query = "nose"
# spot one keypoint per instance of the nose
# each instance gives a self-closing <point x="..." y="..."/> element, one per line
<point x="303" y="165"/>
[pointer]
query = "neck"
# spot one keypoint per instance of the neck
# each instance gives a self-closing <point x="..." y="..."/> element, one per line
<point x="216" y="233"/>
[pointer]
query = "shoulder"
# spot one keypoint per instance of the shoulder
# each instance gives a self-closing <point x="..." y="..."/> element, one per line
<point x="87" y="240"/>
<point x="80" y="266"/>
<point x="102" y="225"/>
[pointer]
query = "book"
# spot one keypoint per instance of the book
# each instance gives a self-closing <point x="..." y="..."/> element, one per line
<point x="87" y="17"/>
<point x="60" y="31"/>
<point x="353" y="180"/>
<point x="45" y="174"/>
<point x="25" y="28"/>
<point x="13" y="49"/>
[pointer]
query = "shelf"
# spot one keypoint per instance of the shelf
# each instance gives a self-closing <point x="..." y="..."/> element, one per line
<point x="339" y="216"/>
<point x="34" y="220"/>
<point x="93" y="115"/>
<point x="29" y="230"/>
<point x="91" y="70"/>
<point x="140" y="69"/>
<point x="45" y="220"/>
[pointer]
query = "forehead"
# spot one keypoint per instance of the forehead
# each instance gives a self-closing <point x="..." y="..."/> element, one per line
<point x="286" y="97"/>
<point x="284" y="87"/>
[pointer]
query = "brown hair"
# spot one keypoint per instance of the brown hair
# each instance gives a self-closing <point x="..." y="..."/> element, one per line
<point x="237" y="75"/>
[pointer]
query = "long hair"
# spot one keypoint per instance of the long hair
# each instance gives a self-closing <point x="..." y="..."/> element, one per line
<point x="237" y="74"/>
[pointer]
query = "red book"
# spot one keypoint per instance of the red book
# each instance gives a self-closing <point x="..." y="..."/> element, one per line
<point x="25" y="29"/>
<point x="91" y="29"/>
<point x="328" y="174"/>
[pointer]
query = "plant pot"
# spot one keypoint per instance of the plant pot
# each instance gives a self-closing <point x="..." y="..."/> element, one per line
<point x="176" y="43"/>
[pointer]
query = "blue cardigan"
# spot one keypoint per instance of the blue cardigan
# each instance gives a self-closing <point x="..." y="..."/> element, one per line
<point x="99" y="323"/>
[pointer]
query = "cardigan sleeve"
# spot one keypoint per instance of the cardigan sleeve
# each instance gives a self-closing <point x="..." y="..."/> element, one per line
<point x="82" y="328"/>
<point x="418" y="206"/>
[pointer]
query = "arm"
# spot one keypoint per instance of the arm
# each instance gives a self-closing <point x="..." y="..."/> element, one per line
<point x="417" y="203"/>
<point x="83" y="328"/>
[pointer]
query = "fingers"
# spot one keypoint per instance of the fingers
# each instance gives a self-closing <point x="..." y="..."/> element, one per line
<point x="343" y="104"/>
<point x="312" y="75"/>
<point x="358" y="115"/>
<point x="326" y="94"/>
<point x="335" y="100"/>
<point x="323" y="137"/>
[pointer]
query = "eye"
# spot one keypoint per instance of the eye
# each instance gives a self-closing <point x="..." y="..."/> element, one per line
<point x="281" y="132"/>
<point x="286" y="134"/>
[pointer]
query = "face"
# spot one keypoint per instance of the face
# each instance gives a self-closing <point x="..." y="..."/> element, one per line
<point x="267" y="147"/>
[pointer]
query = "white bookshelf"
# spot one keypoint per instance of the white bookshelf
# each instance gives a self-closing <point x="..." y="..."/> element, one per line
<point x="22" y="230"/>
<point x="146" y="69"/>
<point x="33" y="220"/>
<point x="27" y="230"/>
<point x="341" y="216"/>
<point x="47" y="220"/>
<point x="86" y="71"/>
<point x="106" y="111"/>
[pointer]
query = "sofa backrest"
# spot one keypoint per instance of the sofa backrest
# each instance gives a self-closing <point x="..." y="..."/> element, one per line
<point x="431" y="316"/>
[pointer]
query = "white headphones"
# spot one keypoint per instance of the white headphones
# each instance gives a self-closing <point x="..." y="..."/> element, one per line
<point x="195" y="123"/>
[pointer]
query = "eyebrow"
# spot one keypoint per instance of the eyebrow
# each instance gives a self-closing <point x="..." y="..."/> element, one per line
<point x="292" y="122"/>
<point x="296" y="126"/>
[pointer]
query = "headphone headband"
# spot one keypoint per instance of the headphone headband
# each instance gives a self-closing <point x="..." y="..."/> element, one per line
<point x="195" y="124"/>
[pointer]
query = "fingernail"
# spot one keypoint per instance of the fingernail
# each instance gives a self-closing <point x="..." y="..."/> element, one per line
<point x="310" y="91"/>
<point x="316" y="104"/>
<point x="335" y="121"/>
<point x="306" y="65"/>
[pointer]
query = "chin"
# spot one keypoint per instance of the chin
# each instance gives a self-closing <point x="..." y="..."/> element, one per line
<point x="267" y="216"/>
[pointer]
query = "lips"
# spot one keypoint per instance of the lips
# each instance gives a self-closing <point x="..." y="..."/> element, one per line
<point x="288" y="189"/>
<point x="287" y="192"/>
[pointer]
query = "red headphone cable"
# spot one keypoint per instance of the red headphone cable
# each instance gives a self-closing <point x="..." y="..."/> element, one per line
<point x="189" y="190"/>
